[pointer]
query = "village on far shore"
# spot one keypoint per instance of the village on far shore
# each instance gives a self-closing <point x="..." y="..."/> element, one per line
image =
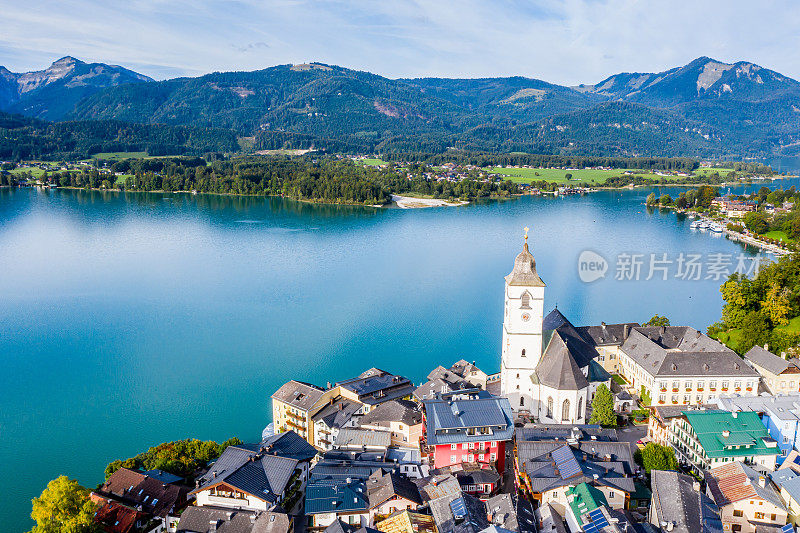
<point x="609" y="428"/>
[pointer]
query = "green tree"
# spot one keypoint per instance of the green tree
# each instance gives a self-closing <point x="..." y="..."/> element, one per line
<point x="776" y="305"/>
<point x="657" y="320"/>
<point x="755" y="331"/>
<point x="603" y="407"/>
<point x="64" y="507"/>
<point x="657" y="457"/>
<point x="756" y="222"/>
<point x="644" y="396"/>
<point x="665" y="199"/>
<point x="682" y="202"/>
<point x="651" y="199"/>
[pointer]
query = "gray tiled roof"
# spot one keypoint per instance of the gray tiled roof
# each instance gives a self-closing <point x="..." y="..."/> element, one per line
<point x="607" y="334"/>
<point x="437" y="486"/>
<point x="682" y="351"/>
<point x="767" y="360"/>
<point x="199" y="519"/>
<point x="338" y="413"/>
<point x="676" y="501"/>
<point x="611" y="463"/>
<point x="531" y="432"/>
<point x="403" y="411"/>
<point x="475" y="521"/>
<point x="382" y="486"/>
<point x="376" y="386"/>
<point x="458" y="415"/>
<point x="512" y="513"/>
<point x="337" y="489"/>
<point x="356" y="438"/>
<point x="298" y="394"/>
<point x="524" y="272"/>
<point x="263" y="469"/>
<point x="558" y="368"/>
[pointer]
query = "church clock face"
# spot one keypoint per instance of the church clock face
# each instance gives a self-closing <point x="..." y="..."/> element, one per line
<point x="526" y="317"/>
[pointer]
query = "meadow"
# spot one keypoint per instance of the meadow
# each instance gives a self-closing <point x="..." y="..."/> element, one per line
<point x="558" y="175"/>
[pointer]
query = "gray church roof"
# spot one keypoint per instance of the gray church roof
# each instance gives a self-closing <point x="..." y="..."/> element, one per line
<point x="558" y="369"/>
<point x="524" y="273"/>
<point x="607" y="334"/>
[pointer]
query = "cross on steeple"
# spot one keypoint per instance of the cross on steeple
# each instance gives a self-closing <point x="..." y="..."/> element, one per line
<point x="526" y="233"/>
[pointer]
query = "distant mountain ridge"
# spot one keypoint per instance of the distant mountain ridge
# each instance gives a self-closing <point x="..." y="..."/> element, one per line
<point x="53" y="92"/>
<point x="706" y="108"/>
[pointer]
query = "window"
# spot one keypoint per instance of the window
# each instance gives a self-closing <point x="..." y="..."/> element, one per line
<point x="453" y="446"/>
<point x="493" y="457"/>
<point x="611" y="494"/>
<point x="738" y="512"/>
<point x="526" y="300"/>
<point x="481" y="458"/>
<point x="759" y="516"/>
<point x="579" y="414"/>
<point x="700" y="384"/>
<point x="494" y="444"/>
<point x="521" y="401"/>
<point x="550" y="407"/>
<point x="565" y="410"/>
<point x="464" y="446"/>
<point x="523" y="355"/>
<point x="453" y="459"/>
<point x="713" y="384"/>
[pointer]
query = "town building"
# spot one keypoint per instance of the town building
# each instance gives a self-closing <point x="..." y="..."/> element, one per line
<point x="779" y="375"/>
<point x="459" y="513"/>
<point x="258" y="477"/>
<point x="209" y="519"/>
<point x="746" y="499"/>
<point x="338" y="492"/>
<point x="407" y="522"/>
<point x="338" y="413"/>
<point x="512" y="513"/>
<point x="476" y="479"/>
<point x="679" y="506"/>
<point x="362" y="440"/>
<point x="157" y="504"/>
<point x="779" y="414"/>
<point x="788" y="482"/>
<point x="548" y="468"/>
<point x="475" y="429"/>
<point x="292" y="407"/>
<point x="711" y="438"/>
<point x="441" y="380"/>
<point x="607" y="340"/>
<point x="470" y="373"/>
<point x="680" y="366"/>
<point x="389" y="492"/>
<point x="401" y="418"/>
<point x="662" y="418"/>
<point x="588" y="511"/>
<point x="374" y="387"/>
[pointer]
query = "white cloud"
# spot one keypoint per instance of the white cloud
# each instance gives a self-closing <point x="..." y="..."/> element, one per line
<point x="567" y="42"/>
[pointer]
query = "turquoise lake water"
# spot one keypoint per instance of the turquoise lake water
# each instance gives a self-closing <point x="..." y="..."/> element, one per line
<point x="127" y="320"/>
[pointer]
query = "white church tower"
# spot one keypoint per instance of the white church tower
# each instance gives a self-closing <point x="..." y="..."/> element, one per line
<point x="522" y="330"/>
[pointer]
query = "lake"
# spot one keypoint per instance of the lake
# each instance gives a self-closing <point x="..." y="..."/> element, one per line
<point x="133" y="319"/>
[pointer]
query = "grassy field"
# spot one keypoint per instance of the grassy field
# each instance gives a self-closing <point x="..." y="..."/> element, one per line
<point x="35" y="172"/>
<point x="792" y="327"/>
<point x="705" y="171"/>
<point x="119" y="156"/>
<point x="778" y="235"/>
<point x="557" y="175"/>
<point x="372" y="161"/>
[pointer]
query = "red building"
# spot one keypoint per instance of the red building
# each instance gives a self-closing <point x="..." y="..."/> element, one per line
<point x="468" y="428"/>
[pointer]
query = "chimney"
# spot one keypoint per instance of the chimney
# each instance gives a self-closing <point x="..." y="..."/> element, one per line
<point x="762" y="482"/>
<point x="662" y="330"/>
<point x="735" y="414"/>
<point x="766" y="347"/>
<point x="783" y="355"/>
<point x="626" y="330"/>
<point x="696" y="486"/>
<point x="328" y="385"/>
<point x="212" y="525"/>
<point x="603" y="325"/>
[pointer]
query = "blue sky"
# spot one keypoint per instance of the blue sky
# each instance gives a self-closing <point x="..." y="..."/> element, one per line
<point x="567" y="42"/>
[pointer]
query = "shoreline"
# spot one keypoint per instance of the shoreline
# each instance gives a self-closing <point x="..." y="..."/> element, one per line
<point x="410" y="202"/>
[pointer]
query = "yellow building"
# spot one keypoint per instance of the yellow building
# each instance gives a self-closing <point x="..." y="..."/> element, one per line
<point x="407" y="522"/>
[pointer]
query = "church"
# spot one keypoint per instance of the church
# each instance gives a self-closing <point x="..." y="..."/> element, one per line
<point x="548" y="368"/>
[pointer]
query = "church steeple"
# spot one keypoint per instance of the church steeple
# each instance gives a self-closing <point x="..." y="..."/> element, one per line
<point x="524" y="272"/>
<point x="522" y="330"/>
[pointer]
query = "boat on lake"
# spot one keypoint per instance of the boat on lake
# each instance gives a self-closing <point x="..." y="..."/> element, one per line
<point x="694" y="224"/>
<point x="716" y="227"/>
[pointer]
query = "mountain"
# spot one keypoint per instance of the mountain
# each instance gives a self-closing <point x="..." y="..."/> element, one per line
<point x="53" y="92"/>
<point x="706" y="109"/>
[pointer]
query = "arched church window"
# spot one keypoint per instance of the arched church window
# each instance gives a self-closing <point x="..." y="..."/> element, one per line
<point x="550" y="407"/>
<point x="523" y="352"/>
<point x="579" y="414"/>
<point x="526" y="300"/>
<point x="565" y="411"/>
<point x="521" y="401"/>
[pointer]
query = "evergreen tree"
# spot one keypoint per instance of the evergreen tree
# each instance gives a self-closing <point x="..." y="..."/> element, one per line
<point x="603" y="407"/>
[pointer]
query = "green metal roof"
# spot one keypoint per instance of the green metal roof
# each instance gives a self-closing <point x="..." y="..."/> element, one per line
<point x="721" y="434"/>
<point x="586" y="499"/>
